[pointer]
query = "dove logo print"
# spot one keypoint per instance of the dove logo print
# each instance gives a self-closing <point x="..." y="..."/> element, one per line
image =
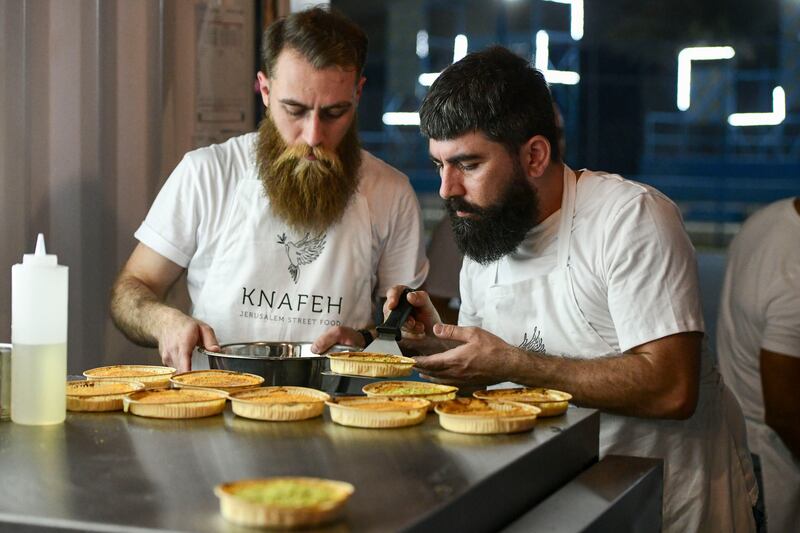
<point x="302" y="252"/>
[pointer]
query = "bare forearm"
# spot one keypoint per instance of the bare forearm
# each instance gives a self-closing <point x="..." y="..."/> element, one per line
<point x="137" y="311"/>
<point x="627" y="384"/>
<point x="780" y="374"/>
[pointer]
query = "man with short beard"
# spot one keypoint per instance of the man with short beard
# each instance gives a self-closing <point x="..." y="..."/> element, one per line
<point x="285" y="233"/>
<point x="577" y="281"/>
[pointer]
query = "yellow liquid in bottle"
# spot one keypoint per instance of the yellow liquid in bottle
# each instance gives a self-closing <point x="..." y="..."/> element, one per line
<point x="38" y="383"/>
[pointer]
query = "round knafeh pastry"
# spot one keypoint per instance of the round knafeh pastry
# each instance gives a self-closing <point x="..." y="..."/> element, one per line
<point x="279" y="403"/>
<point x="476" y="416"/>
<point x="370" y="364"/>
<point x="175" y="403"/>
<point x="283" y="502"/>
<point x="551" y="402"/>
<point x="99" y="395"/>
<point x="224" y="380"/>
<point x="433" y="392"/>
<point x="366" y="412"/>
<point x="151" y="375"/>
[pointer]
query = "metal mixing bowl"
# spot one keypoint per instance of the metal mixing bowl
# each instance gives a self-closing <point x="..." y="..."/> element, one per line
<point x="280" y="363"/>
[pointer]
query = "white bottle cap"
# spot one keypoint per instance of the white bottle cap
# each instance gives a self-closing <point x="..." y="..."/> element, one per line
<point x="39" y="298"/>
<point x="40" y="257"/>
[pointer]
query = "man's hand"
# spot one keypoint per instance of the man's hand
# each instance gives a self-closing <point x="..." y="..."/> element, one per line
<point x="139" y="311"/>
<point x="179" y="335"/>
<point x="422" y="318"/>
<point x="338" y="335"/>
<point x="482" y="359"/>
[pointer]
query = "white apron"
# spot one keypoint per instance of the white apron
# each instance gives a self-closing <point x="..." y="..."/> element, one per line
<point x="270" y="283"/>
<point x="709" y="484"/>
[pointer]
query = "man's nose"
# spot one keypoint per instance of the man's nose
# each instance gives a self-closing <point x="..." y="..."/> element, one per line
<point x="312" y="130"/>
<point x="452" y="184"/>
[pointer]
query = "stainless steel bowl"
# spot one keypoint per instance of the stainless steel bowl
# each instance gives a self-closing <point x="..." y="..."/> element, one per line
<point x="280" y="363"/>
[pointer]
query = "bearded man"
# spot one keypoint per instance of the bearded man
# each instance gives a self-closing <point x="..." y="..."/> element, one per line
<point x="580" y="281"/>
<point x="284" y="233"/>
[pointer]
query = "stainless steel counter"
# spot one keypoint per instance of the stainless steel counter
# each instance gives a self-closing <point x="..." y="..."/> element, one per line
<point x="117" y="472"/>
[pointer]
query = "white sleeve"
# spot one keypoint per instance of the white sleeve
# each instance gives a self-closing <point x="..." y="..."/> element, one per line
<point x="403" y="260"/>
<point x="651" y="272"/>
<point x="170" y="227"/>
<point x="782" y="319"/>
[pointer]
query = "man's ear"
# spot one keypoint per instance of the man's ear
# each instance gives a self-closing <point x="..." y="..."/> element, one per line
<point x="263" y="84"/>
<point x="360" y="88"/>
<point x="535" y="156"/>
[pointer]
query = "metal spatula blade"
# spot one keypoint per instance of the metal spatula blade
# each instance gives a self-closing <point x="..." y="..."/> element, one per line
<point x="390" y="331"/>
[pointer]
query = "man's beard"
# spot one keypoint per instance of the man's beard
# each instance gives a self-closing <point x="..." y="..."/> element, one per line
<point x="495" y="231"/>
<point x="308" y="195"/>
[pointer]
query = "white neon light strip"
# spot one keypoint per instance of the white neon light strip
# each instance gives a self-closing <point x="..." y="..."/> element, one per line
<point x="562" y="77"/>
<point x="422" y="44"/>
<point x="542" y="57"/>
<point x="401" y="119"/>
<point x="541" y="61"/>
<point x="777" y="116"/>
<point x="685" y="58"/>
<point x="427" y="79"/>
<point x="460" y="46"/>
<point x="575" y="17"/>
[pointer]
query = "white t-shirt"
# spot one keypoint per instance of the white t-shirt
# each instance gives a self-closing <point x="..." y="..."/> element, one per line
<point x="760" y="309"/>
<point x="624" y="236"/>
<point x="760" y="305"/>
<point x="187" y="220"/>
<point x="626" y="276"/>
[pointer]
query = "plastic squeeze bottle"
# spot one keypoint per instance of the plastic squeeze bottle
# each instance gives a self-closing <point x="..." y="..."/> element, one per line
<point x="39" y="287"/>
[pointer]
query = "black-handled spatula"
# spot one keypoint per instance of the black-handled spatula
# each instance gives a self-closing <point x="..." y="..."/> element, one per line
<point x="390" y="331"/>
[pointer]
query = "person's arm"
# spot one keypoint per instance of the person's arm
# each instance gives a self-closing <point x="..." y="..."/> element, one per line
<point x="780" y="376"/>
<point x="658" y="379"/>
<point x="139" y="311"/>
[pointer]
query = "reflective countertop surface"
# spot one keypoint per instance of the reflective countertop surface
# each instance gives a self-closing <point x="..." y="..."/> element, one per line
<point x="117" y="472"/>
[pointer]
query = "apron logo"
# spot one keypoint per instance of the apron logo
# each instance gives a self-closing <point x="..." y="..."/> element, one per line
<point x="535" y="343"/>
<point x="302" y="252"/>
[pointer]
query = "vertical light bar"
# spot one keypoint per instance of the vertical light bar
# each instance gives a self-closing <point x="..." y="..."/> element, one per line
<point x="774" y="118"/>
<point x="542" y="57"/>
<point x="576" y="20"/>
<point x="422" y="44"/>
<point x="575" y="17"/>
<point x="459" y="47"/>
<point x="685" y="58"/>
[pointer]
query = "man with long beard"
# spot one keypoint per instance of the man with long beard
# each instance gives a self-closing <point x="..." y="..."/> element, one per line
<point x="287" y="232"/>
<point x="578" y="281"/>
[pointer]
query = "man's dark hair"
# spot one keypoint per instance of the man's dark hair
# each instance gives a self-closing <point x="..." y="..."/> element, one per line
<point x="494" y="92"/>
<point x="325" y="37"/>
